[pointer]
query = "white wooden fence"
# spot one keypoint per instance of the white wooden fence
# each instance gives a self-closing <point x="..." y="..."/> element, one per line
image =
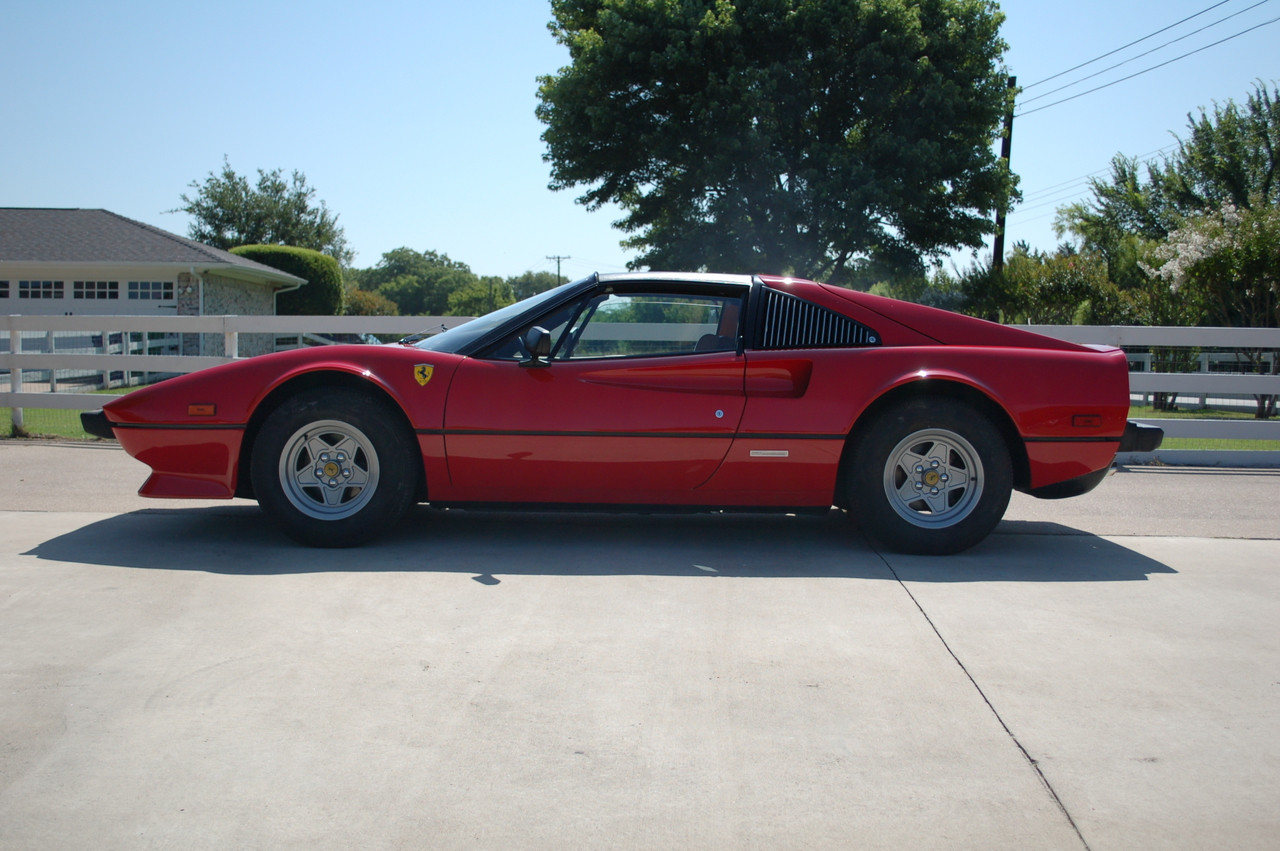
<point x="137" y="355"/>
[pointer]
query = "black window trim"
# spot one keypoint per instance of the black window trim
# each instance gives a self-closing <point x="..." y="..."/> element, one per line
<point x="593" y="287"/>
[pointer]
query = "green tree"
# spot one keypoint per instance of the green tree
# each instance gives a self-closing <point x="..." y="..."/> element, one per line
<point x="1230" y="157"/>
<point x="365" y="303"/>
<point x="1227" y="264"/>
<point x="479" y="297"/>
<point x="1230" y="260"/>
<point x="1195" y="241"/>
<point x="865" y="272"/>
<point x="937" y="289"/>
<point x="532" y="283"/>
<point x="419" y="283"/>
<point x="1064" y="288"/>
<point x="1067" y="287"/>
<point x="227" y="211"/>
<point x="1125" y="214"/>
<point x="782" y="135"/>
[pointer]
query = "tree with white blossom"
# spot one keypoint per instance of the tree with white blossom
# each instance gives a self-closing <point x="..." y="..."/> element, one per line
<point x="1227" y="263"/>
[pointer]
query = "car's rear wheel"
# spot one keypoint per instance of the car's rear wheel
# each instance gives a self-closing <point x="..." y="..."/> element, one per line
<point x="333" y="468"/>
<point x="930" y="476"/>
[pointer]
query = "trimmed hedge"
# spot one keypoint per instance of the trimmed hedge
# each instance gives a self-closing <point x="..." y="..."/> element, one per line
<point x="320" y="296"/>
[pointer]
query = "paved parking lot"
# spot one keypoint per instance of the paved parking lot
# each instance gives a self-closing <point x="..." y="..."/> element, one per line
<point x="1102" y="673"/>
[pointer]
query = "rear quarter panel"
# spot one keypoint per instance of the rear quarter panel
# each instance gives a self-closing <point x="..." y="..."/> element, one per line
<point x="1068" y="408"/>
<point x="1041" y="391"/>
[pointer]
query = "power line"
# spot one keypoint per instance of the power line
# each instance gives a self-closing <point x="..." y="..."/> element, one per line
<point x="1144" y="53"/>
<point x="1066" y="191"/>
<point x="1125" y="47"/>
<point x="1047" y="190"/>
<point x="1052" y="202"/>
<point x="1147" y="70"/>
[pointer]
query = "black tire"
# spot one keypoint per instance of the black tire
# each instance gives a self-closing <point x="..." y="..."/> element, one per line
<point x="930" y="476"/>
<point x="333" y="468"/>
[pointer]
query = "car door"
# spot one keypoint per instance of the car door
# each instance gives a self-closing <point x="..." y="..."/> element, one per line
<point x="637" y="402"/>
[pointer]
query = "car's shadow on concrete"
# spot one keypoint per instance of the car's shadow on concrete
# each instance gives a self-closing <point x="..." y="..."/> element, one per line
<point x="239" y="540"/>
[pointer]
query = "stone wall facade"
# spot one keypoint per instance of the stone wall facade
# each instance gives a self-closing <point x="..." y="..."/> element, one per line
<point x="224" y="297"/>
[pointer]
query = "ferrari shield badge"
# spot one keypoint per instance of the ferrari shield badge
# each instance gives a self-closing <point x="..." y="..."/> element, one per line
<point x="422" y="372"/>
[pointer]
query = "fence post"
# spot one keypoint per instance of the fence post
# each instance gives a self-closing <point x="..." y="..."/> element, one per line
<point x="1204" y="367"/>
<point x="15" y="377"/>
<point x="230" y="340"/>
<point x="49" y="343"/>
<point x="105" y="349"/>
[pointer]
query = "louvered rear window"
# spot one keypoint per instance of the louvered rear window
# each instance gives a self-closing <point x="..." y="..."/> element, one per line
<point x="789" y="322"/>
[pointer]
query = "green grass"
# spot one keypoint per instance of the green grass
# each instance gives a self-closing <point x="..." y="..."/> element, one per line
<point x="1148" y="414"/>
<point x="45" y="422"/>
<point x="1220" y="445"/>
<point x="1141" y="412"/>
<point x="52" y="422"/>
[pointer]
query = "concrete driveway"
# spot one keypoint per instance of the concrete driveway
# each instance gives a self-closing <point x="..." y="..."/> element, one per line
<point x="1102" y="673"/>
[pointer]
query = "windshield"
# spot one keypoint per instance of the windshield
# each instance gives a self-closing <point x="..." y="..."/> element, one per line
<point x="460" y="336"/>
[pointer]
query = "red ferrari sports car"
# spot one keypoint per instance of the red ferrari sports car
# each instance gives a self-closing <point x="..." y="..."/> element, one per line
<point x="654" y="392"/>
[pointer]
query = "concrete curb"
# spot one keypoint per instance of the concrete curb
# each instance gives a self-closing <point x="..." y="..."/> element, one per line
<point x="1202" y="458"/>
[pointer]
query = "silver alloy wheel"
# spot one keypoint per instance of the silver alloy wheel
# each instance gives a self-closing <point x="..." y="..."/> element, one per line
<point x="329" y="470"/>
<point x="933" y="478"/>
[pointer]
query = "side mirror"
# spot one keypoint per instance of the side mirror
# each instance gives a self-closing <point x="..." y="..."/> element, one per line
<point x="538" y="343"/>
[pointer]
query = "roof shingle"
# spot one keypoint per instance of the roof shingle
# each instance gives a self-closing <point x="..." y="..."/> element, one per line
<point x="49" y="235"/>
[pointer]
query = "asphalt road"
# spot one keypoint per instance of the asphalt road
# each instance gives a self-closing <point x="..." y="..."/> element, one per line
<point x="1102" y="673"/>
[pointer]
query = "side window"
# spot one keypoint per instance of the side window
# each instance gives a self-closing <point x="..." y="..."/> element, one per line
<point x="615" y="325"/>
<point x="634" y="324"/>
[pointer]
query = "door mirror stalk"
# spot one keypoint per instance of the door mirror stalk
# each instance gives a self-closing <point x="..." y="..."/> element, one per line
<point x="538" y="343"/>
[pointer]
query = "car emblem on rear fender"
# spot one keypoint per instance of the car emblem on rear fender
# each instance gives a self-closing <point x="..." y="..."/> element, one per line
<point x="422" y="373"/>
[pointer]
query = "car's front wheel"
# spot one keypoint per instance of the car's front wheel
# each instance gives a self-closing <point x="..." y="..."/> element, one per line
<point x="333" y="468"/>
<point x="930" y="476"/>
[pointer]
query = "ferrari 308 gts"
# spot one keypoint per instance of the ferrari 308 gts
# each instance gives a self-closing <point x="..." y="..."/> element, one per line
<point x="653" y="392"/>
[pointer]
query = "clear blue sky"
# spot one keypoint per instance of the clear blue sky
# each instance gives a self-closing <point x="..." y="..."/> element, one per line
<point x="414" y="119"/>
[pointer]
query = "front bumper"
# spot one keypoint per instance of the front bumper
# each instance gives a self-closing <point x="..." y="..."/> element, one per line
<point x="1140" y="437"/>
<point x="97" y="424"/>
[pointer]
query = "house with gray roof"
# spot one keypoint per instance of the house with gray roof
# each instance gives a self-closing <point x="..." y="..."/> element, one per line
<point x="95" y="262"/>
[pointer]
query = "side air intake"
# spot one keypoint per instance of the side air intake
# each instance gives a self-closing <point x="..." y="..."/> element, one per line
<point x="793" y="323"/>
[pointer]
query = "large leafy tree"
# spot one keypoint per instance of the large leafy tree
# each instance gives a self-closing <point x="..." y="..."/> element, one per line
<point x="1230" y="157"/>
<point x="1227" y="264"/>
<point x="227" y="211"/>
<point x="531" y="283"/>
<point x="418" y="282"/>
<point x="781" y="135"/>
<point x="365" y="303"/>
<point x="1198" y="240"/>
<point x="1125" y="214"/>
<point x="481" y="296"/>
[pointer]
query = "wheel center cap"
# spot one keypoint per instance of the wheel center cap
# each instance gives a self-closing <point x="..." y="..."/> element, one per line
<point x="932" y="478"/>
<point x="331" y="470"/>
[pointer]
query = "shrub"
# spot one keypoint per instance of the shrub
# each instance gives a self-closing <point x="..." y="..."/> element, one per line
<point x="365" y="303"/>
<point x="320" y="296"/>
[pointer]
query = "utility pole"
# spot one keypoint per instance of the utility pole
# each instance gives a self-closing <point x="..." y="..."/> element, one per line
<point x="558" y="258"/>
<point x="1006" y="147"/>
